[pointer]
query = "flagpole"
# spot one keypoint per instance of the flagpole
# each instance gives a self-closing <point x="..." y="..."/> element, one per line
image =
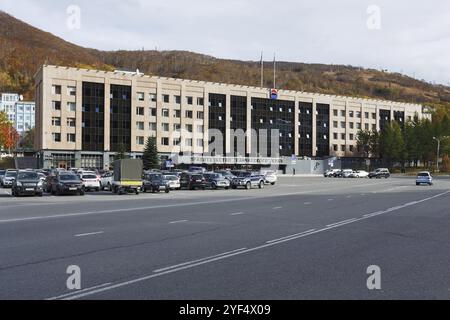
<point x="274" y="71"/>
<point x="262" y="70"/>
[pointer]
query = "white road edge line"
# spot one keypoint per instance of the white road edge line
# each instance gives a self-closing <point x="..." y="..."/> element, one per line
<point x="236" y="213"/>
<point x="292" y="235"/>
<point x="78" y="291"/>
<point x="195" y="261"/>
<point x="192" y="265"/>
<point x="88" y="234"/>
<point x="341" y="222"/>
<point x="178" y="221"/>
<point x="276" y="208"/>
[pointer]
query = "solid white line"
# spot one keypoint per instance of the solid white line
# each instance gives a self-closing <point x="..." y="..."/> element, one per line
<point x="192" y="265"/>
<point x="78" y="214"/>
<point x="79" y="291"/>
<point x="195" y="261"/>
<point x="88" y="234"/>
<point x="330" y="199"/>
<point x="276" y="208"/>
<point x="179" y="221"/>
<point x="236" y="213"/>
<point x="341" y="222"/>
<point x="290" y="236"/>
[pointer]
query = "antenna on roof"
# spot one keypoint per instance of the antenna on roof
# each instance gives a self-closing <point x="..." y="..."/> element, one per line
<point x="262" y="70"/>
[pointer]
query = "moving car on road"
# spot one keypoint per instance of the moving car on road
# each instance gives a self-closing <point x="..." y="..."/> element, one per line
<point x="65" y="182"/>
<point x="154" y="182"/>
<point x="127" y="176"/>
<point x="27" y="183"/>
<point x="380" y="173"/>
<point x="192" y="181"/>
<point x="424" y="177"/>
<point x="215" y="180"/>
<point x="7" y="181"/>
<point x="247" y="180"/>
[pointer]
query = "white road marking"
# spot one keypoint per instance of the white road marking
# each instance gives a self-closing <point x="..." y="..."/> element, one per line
<point x="79" y="291"/>
<point x="78" y="214"/>
<point x="88" y="234"/>
<point x="307" y="203"/>
<point x="276" y="208"/>
<point x="178" y="221"/>
<point x="290" y="236"/>
<point x="225" y="256"/>
<point x="341" y="222"/>
<point x="330" y="199"/>
<point x="236" y="213"/>
<point x="198" y="260"/>
<point x="348" y="197"/>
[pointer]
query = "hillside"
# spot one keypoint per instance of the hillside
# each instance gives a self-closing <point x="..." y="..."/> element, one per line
<point x="24" y="48"/>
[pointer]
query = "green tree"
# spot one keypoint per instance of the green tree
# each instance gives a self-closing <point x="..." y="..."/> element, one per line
<point x="27" y="141"/>
<point x="392" y="145"/>
<point x="151" y="158"/>
<point x="121" y="153"/>
<point x="363" y="141"/>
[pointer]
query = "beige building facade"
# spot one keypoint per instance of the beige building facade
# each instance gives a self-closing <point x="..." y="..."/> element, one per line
<point x="83" y="117"/>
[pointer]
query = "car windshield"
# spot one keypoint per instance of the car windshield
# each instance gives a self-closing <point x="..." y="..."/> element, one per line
<point x="244" y="174"/>
<point x="27" y="176"/>
<point x="197" y="177"/>
<point x="68" y="177"/>
<point x="423" y="174"/>
<point x="154" y="177"/>
<point x="11" y="174"/>
<point x="89" y="176"/>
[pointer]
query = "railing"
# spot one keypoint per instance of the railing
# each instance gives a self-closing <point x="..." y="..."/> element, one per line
<point x="229" y="160"/>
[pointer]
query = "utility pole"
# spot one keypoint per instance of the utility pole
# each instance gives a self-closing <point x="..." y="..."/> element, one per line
<point x="438" y="139"/>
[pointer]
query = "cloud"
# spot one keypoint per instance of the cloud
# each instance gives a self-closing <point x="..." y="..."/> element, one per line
<point x="414" y="36"/>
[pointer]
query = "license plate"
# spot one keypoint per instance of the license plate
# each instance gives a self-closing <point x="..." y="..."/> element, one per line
<point x="199" y="181"/>
<point x="29" y="189"/>
<point x="72" y="189"/>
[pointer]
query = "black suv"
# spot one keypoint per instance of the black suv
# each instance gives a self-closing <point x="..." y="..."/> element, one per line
<point x="154" y="182"/>
<point x="192" y="181"/>
<point x="64" y="183"/>
<point x="27" y="183"/>
<point x="380" y="173"/>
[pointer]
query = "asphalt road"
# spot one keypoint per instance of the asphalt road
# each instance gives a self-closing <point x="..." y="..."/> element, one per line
<point x="305" y="238"/>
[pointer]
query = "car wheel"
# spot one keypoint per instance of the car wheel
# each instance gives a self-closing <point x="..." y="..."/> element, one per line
<point x="261" y="185"/>
<point x="167" y="190"/>
<point x="97" y="189"/>
<point x="417" y="183"/>
<point x="39" y="194"/>
<point x="273" y="183"/>
<point x="214" y="186"/>
<point x="248" y="185"/>
<point x="137" y="192"/>
<point x="226" y="188"/>
<point x="233" y="187"/>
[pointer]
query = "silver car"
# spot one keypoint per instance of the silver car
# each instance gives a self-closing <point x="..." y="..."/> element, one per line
<point x="424" y="177"/>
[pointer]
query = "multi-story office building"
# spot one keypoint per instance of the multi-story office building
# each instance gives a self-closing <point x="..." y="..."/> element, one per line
<point x="8" y="105"/>
<point x="24" y="117"/>
<point x="83" y="117"/>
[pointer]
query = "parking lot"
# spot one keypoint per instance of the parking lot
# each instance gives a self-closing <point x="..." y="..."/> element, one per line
<point x="305" y="237"/>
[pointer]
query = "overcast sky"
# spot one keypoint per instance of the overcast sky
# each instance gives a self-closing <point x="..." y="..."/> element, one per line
<point x="412" y="37"/>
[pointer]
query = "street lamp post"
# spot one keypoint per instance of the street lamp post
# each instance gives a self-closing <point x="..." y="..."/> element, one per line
<point x="438" y="139"/>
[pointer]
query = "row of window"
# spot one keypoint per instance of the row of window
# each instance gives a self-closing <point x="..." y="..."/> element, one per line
<point x="189" y="114"/>
<point x="56" y="122"/>
<point x="71" y="91"/>
<point x="71" y="137"/>
<point x="351" y="148"/>
<point x="166" y="98"/>
<point x="177" y="142"/>
<point x="165" y="127"/>
<point x="71" y="106"/>
<point x="351" y="125"/>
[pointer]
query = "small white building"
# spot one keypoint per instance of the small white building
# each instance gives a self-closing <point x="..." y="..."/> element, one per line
<point x="8" y="104"/>
<point x="25" y="116"/>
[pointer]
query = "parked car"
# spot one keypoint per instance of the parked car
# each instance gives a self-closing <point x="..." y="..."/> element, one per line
<point x="90" y="181"/>
<point x="154" y="182"/>
<point x="192" y="181"/>
<point x="2" y="175"/>
<point x="360" y="174"/>
<point x="106" y="180"/>
<point x="330" y="173"/>
<point x="270" y="177"/>
<point x="226" y="174"/>
<point x="215" y="180"/>
<point x="248" y="180"/>
<point x="65" y="182"/>
<point x="197" y="169"/>
<point x="380" y="173"/>
<point x="424" y="177"/>
<point x="346" y="173"/>
<point x="8" y="179"/>
<point x="27" y="183"/>
<point x="173" y="181"/>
